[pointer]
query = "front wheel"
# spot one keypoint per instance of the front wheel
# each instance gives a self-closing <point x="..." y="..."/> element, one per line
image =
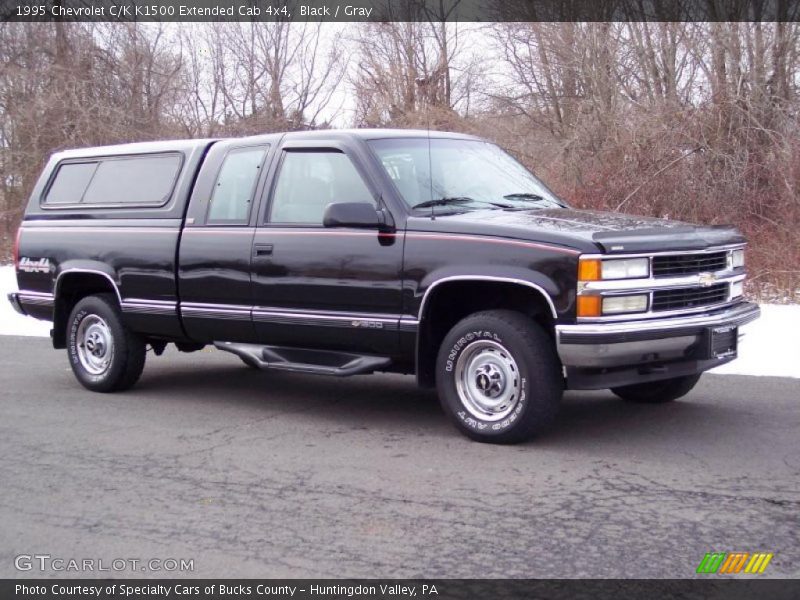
<point x="498" y="377"/>
<point x="657" y="392"/>
<point x="104" y="355"/>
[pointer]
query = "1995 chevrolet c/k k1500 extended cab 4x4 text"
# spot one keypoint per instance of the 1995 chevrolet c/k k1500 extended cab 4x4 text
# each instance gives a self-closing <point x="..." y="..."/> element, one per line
<point x="347" y="252"/>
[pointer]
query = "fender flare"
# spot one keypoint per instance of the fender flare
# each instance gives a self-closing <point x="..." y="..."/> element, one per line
<point x="59" y="278"/>
<point x="492" y="278"/>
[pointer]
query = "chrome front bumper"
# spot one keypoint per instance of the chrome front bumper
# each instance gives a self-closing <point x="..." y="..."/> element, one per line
<point x="631" y="343"/>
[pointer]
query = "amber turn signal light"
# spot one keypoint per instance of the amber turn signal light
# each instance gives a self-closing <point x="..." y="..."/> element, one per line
<point x="589" y="306"/>
<point x="589" y="269"/>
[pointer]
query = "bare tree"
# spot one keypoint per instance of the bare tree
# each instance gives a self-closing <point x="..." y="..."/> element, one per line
<point x="409" y="70"/>
<point x="692" y="120"/>
<point x="268" y="76"/>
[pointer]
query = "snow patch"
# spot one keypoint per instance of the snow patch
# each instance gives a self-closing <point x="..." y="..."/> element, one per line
<point x="770" y="346"/>
<point x="11" y="322"/>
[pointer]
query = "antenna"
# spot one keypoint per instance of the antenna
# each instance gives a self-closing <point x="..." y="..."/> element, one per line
<point x="421" y="81"/>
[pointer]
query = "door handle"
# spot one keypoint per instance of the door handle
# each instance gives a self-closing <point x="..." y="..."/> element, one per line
<point x="262" y="250"/>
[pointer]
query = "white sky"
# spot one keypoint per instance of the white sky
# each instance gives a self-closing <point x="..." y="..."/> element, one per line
<point x="340" y="112"/>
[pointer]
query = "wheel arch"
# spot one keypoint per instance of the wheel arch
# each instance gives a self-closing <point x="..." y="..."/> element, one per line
<point x="70" y="287"/>
<point x="449" y="299"/>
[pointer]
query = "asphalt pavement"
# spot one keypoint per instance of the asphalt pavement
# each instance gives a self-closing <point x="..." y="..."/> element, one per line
<point x="267" y="474"/>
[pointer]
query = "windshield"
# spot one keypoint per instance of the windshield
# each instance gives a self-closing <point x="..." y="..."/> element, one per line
<point x="460" y="175"/>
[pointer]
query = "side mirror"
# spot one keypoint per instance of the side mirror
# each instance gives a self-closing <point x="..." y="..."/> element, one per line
<point x="353" y="214"/>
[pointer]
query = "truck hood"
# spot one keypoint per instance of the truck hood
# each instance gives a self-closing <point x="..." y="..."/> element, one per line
<point x="585" y="230"/>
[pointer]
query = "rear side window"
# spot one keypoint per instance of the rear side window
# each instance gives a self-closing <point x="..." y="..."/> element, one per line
<point x="70" y="183"/>
<point x="235" y="186"/>
<point x="134" y="180"/>
<point x="139" y="180"/>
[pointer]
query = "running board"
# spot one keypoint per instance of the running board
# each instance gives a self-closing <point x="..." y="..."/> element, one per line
<point x="301" y="360"/>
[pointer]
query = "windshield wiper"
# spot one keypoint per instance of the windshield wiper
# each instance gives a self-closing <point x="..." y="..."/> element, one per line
<point x="525" y="196"/>
<point x="443" y="202"/>
<point x="530" y="197"/>
<point x="457" y="200"/>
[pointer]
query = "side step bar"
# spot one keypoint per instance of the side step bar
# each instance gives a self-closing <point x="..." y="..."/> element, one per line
<point x="300" y="360"/>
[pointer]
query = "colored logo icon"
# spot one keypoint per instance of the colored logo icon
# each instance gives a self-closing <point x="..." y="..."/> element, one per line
<point x="734" y="562"/>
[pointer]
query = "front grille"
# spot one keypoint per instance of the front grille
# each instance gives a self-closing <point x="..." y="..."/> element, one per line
<point x="689" y="297"/>
<point x="687" y="264"/>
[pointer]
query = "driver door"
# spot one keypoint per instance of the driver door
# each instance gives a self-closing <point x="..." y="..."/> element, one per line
<point x="334" y="288"/>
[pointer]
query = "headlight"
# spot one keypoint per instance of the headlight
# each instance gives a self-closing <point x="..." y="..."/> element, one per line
<point x="737" y="289"/>
<point x="737" y="259"/>
<point x="594" y="269"/>
<point x="629" y="268"/>
<point x="614" y="305"/>
<point x="596" y="306"/>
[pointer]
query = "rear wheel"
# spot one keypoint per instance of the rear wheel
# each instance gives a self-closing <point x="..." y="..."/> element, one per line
<point x="498" y="377"/>
<point x="657" y="392"/>
<point x="104" y="355"/>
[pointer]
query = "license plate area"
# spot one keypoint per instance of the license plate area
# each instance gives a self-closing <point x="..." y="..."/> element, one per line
<point x="722" y="342"/>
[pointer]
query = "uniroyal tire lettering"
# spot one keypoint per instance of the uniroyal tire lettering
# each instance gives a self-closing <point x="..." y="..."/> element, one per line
<point x="73" y="348"/>
<point x="466" y="418"/>
<point x="505" y="423"/>
<point x="73" y="332"/>
<point x="463" y="341"/>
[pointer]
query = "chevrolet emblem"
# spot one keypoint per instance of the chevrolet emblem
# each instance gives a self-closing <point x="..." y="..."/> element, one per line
<point x="707" y="279"/>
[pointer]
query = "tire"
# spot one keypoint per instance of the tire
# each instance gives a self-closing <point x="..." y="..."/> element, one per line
<point x="498" y="377"/>
<point x="104" y="355"/>
<point x="657" y="392"/>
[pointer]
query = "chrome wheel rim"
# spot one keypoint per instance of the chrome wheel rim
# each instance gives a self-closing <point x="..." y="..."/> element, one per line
<point x="95" y="345"/>
<point x="488" y="381"/>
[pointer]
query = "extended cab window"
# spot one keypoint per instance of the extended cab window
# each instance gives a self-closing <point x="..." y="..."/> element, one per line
<point x="233" y="191"/>
<point x="70" y="183"/>
<point x="308" y="181"/>
<point x="131" y="180"/>
<point x="136" y="180"/>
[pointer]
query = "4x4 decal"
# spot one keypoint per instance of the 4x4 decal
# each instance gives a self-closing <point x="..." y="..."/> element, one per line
<point x="34" y="265"/>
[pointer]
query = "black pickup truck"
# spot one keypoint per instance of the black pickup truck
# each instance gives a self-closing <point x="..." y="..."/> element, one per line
<point x="349" y="252"/>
